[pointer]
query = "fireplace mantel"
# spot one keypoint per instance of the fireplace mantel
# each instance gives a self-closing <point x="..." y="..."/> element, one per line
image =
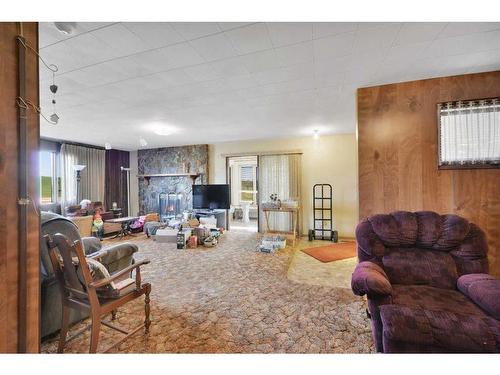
<point x="193" y="176"/>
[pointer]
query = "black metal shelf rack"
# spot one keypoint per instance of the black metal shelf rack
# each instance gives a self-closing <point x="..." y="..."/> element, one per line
<point x="323" y="214"/>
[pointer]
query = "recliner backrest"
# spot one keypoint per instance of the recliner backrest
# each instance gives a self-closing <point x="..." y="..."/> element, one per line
<point x="423" y="247"/>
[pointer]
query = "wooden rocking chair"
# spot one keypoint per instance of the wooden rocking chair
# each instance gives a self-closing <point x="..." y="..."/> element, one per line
<point x="100" y="297"/>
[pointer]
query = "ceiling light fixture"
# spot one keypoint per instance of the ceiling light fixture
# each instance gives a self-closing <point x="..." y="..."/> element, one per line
<point x="107" y="146"/>
<point x="161" y="129"/>
<point x="316" y="134"/>
<point x="143" y="142"/>
<point x="66" y="28"/>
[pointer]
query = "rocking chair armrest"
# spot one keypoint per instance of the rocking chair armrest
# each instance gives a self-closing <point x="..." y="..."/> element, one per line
<point x="108" y="280"/>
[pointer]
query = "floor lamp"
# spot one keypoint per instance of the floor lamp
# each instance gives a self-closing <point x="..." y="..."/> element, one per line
<point x="124" y="169"/>
<point x="78" y="168"/>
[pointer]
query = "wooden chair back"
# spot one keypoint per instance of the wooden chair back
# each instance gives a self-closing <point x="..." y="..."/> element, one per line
<point x="67" y="258"/>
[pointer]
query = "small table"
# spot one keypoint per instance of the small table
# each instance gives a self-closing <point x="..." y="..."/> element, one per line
<point x="295" y="221"/>
<point x="125" y="225"/>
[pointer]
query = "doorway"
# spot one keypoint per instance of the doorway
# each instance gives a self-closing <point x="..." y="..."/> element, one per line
<point x="242" y="173"/>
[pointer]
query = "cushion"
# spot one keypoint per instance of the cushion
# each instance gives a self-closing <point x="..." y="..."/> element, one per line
<point x="420" y="266"/>
<point x="484" y="290"/>
<point x="435" y="299"/>
<point x="442" y="331"/>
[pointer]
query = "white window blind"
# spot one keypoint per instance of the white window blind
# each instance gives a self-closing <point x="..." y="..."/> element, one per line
<point x="469" y="133"/>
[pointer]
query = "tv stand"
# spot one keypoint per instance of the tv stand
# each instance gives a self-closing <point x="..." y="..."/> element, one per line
<point x="220" y="215"/>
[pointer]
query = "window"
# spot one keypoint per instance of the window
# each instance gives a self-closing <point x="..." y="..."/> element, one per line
<point x="248" y="186"/>
<point x="469" y="134"/>
<point x="50" y="183"/>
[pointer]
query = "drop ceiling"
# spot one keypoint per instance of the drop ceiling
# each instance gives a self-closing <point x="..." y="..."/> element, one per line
<point x="218" y="82"/>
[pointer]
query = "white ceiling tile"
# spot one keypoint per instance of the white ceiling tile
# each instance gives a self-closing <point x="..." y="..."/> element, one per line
<point x="415" y="32"/>
<point x="90" y="26"/>
<point x="91" y="48"/>
<point x="133" y="65"/>
<point x="64" y="56"/>
<point x="250" y="39"/>
<point x="214" y="47"/>
<point x="374" y="25"/>
<point x="295" y="54"/>
<point x="333" y="46"/>
<point x="404" y="54"/>
<point x="179" y="55"/>
<point x="193" y="30"/>
<point x="289" y="73"/>
<point x="259" y="61"/>
<point x="239" y="82"/>
<point x="151" y="61"/>
<point x="284" y="33"/>
<point x="203" y="72"/>
<point x="229" y="67"/>
<point x="175" y="77"/>
<point x="97" y="75"/>
<point x="121" y="39"/>
<point x="232" y="25"/>
<point x="470" y="43"/>
<point x="322" y="29"/>
<point x="379" y="37"/>
<point x="463" y="28"/>
<point x="155" y="34"/>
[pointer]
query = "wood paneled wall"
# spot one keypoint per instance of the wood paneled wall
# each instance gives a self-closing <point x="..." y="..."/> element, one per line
<point x="19" y="330"/>
<point x="397" y="154"/>
<point x="116" y="180"/>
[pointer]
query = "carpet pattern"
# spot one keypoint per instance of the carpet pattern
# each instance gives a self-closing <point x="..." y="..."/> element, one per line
<point x="231" y="299"/>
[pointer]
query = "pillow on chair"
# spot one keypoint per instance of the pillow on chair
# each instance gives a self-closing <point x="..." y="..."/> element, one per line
<point x="111" y="290"/>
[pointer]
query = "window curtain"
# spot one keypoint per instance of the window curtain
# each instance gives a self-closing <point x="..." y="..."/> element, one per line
<point x="281" y="175"/>
<point x="92" y="177"/>
<point x="469" y="132"/>
<point x="235" y="185"/>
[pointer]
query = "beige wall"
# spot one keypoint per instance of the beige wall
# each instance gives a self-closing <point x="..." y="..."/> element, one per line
<point x="329" y="159"/>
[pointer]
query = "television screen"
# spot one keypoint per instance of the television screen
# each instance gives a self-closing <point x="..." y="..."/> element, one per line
<point x="211" y="197"/>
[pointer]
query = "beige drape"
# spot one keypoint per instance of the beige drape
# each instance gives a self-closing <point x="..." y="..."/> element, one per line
<point x="92" y="177"/>
<point x="281" y="175"/>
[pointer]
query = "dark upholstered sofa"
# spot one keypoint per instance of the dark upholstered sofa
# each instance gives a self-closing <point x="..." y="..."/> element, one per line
<point x="114" y="258"/>
<point x="426" y="279"/>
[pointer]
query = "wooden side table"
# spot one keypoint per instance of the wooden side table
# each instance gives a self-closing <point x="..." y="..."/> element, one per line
<point x="293" y="234"/>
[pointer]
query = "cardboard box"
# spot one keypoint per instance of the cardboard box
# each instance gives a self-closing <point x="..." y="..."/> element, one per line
<point x="166" y="235"/>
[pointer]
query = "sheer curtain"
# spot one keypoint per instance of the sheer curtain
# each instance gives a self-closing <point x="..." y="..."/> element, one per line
<point x="281" y="175"/>
<point x="469" y="132"/>
<point x="92" y="177"/>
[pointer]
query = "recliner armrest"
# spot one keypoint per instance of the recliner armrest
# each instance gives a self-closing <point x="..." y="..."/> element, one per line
<point x="91" y="245"/>
<point x="370" y="279"/>
<point x="483" y="290"/>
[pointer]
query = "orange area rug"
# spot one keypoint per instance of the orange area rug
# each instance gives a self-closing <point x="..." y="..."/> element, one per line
<point x="332" y="252"/>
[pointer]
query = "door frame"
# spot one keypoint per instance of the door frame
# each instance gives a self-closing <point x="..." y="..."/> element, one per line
<point x="257" y="196"/>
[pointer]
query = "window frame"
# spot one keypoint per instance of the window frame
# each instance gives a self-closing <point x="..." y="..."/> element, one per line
<point x="467" y="165"/>
<point x="54" y="176"/>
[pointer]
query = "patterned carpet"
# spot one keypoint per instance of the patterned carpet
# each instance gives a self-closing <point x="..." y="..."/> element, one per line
<point x="231" y="299"/>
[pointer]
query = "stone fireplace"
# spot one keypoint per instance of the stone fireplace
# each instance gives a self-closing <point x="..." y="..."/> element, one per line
<point x="170" y="160"/>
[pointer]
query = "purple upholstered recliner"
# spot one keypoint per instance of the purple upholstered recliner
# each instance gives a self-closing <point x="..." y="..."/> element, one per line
<point x="427" y="283"/>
